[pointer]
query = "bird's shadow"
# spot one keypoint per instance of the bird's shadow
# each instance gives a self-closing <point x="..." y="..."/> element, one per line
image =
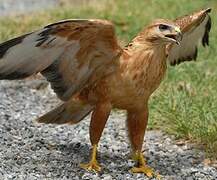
<point x="121" y="163"/>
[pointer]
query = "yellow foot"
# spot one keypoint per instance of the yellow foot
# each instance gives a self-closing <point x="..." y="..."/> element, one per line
<point x="91" y="166"/>
<point x="143" y="169"/>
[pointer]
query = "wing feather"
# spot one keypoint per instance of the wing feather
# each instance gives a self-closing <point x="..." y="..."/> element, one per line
<point x="71" y="54"/>
<point x="195" y="27"/>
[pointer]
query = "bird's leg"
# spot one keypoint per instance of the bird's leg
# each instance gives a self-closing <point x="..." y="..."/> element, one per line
<point x="141" y="165"/>
<point x="93" y="164"/>
<point x="137" y="122"/>
<point x="97" y="124"/>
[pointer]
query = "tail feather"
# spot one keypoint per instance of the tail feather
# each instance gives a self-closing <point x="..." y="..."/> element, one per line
<point x="69" y="112"/>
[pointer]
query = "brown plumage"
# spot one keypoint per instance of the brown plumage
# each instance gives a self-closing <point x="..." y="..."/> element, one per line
<point x="90" y="72"/>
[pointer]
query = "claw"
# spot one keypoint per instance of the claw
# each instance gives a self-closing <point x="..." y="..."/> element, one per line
<point x="91" y="166"/>
<point x="143" y="169"/>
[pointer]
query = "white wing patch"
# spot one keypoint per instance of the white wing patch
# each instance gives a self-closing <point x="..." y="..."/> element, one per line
<point x="72" y="55"/>
<point x="20" y="55"/>
<point x="187" y="50"/>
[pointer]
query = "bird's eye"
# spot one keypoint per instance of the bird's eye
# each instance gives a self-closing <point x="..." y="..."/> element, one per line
<point x="163" y="27"/>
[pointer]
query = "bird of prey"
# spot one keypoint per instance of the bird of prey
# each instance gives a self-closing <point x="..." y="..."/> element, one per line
<point x="90" y="72"/>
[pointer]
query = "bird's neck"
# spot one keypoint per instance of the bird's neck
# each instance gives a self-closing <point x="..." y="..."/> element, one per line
<point x="143" y="67"/>
<point x="139" y="56"/>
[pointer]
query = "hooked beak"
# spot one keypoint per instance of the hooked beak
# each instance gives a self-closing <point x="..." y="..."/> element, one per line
<point x="175" y="37"/>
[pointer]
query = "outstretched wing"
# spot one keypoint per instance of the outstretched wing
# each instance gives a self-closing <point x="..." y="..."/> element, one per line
<point x="195" y="27"/>
<point x="71" y="54"/>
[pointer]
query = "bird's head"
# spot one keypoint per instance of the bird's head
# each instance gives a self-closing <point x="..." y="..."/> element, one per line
<point x="161" y="32"/>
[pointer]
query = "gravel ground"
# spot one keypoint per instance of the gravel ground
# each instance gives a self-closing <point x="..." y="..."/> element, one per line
<point x="33" y="151"/>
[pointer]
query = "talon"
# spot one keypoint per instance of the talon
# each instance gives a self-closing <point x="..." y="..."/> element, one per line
<point x="91" y="166"/>
<point x="143" y="169"/>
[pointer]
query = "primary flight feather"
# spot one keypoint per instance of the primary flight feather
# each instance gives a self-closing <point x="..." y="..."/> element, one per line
<point x="90" y="72"/>
<point x="68" y="53"/>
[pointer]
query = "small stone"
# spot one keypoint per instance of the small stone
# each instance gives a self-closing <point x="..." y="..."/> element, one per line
<point x="107" y="177"/>
<point x="189" y="178"/>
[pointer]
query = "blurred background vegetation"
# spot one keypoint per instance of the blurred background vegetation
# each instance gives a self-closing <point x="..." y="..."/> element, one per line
<point x="185" y="105"/>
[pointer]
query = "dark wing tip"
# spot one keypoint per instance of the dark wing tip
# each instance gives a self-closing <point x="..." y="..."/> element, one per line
<point x="173" y="63"/>
<point x="5" y="46"/>
<point x="208" y="10"/>
<point x="14" y="75"/>
<point x="183" y="59"/>
<point x="205" y="39"/>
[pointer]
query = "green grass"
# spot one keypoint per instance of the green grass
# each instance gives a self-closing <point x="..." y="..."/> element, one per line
<point x="186" y="102"/>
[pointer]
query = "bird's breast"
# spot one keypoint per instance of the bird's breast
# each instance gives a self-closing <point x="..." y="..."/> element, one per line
<point x="151" y="77"/>
<point x="131" y="86"/>
<point x="146" y="72"/>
